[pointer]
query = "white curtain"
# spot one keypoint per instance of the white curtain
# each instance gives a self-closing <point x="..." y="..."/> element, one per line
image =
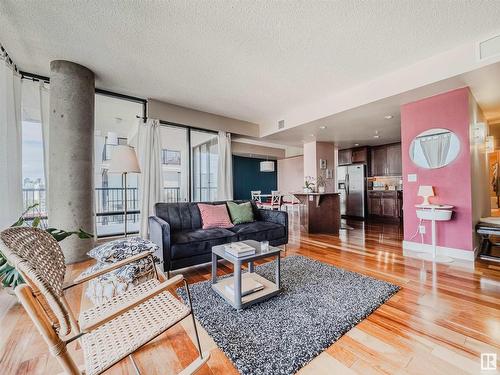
<point x="435" y="149"/>
<point x="150" y="186"/>
<point x="225" y="168"/>
<point x="44" y="121"/>
<point x="11" y="198"/>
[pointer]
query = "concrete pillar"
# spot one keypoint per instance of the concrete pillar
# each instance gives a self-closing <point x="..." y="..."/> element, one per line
<point x="71" y="144"/>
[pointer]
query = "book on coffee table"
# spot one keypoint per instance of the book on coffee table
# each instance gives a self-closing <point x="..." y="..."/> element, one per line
<point x="239" y="249"/>
<point x="248" y="286"/>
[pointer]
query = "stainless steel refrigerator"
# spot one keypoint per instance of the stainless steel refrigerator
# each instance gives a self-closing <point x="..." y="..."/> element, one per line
<point x="352" y="188"/>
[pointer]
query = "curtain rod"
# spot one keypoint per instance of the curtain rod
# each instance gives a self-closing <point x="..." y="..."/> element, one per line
<point x="8" y="58"/>
<point x="34" y="77"/>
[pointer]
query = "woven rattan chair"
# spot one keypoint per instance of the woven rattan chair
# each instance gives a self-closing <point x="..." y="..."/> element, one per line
<point x="107" y="333"/>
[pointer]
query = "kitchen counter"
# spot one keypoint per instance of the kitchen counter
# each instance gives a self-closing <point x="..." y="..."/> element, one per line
<point x="320" y="212"/>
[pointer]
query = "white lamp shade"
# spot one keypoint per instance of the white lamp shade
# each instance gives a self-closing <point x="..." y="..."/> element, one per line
<point x="124" y="160"/>
<point x="267" y="166"/>
<point x="425" y="191"/>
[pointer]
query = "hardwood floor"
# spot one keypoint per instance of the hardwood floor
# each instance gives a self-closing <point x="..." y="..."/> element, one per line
<point x="439" y="323"/>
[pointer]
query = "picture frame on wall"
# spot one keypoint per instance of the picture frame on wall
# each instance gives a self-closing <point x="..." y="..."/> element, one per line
<point x="322" y="163"/>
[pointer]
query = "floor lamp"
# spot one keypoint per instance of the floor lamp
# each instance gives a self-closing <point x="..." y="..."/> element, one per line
<point x="124" y="161"/>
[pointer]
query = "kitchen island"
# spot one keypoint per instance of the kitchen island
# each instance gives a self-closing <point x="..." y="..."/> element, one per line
<point x="319" y="212"/>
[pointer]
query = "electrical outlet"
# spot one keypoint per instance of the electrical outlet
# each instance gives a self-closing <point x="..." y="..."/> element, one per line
<point x="421" y="229"/>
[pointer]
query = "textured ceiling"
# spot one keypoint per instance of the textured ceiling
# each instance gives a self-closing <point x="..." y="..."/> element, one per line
<point x="248" y="60"/>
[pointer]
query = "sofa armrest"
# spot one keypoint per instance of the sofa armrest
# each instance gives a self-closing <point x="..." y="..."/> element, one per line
<point x="275" y="216"/>
<point x="159" y="233"/>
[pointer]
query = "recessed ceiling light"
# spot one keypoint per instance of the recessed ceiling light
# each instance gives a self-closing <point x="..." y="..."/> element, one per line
<point x="376" y="136"/>
<point x="322" y="127"/>
<point x="388" y="117"/>
<point x="356" y="144"/>
<point x="312" y="135"/>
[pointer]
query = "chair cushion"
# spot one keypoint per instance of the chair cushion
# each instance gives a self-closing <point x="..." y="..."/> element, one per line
<point x="259" y="231"/>
<point x="120" y="249"/>
<point x="240" y="213"/>
<point x="200" y="241"/>
<point x="214" y="216"/>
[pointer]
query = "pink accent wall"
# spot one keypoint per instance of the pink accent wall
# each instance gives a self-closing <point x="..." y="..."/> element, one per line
<point x="452" y="183"/>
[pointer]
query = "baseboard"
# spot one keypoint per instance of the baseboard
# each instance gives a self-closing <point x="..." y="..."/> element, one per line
<point x="441" y="250"/>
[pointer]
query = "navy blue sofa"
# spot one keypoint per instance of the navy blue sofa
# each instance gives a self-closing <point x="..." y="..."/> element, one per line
<point x="176" y="228"/>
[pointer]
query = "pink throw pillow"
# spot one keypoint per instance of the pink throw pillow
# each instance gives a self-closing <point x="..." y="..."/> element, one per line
<point x="214" y="216"/>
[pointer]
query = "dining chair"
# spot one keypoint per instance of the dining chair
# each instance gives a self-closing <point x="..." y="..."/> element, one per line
<point x="255" y="194"/>
<point x="291" y="201"/>
<point x="107" y="333"/>
<point x="275" y="203"/>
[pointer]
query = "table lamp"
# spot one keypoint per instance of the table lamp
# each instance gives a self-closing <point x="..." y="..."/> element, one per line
<point x="124" y="160"/>
<point x="426" y="191"/>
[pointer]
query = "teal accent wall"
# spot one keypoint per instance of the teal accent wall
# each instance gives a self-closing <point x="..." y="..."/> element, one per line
<point x="247" y="177"/>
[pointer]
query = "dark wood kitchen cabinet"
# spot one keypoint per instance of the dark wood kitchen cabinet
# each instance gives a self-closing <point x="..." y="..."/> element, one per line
<point x="394" y="162"/>
<point x="379" y="161"/>
<point x="360" y="155"/>
<point x="353" y="155"/>
<point x="389" y="205"/>
<point x="384" y="204"/>
<point x="345" y="157"/>
<point x="374" y="203"/>
<point x="386" y="160"/>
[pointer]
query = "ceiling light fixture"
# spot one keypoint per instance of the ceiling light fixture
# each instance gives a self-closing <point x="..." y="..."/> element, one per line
<point x="376" y="136"/>
<point x="356" y="144"/>
<point x="322" y="127"/>
<point x="388" y="117"/>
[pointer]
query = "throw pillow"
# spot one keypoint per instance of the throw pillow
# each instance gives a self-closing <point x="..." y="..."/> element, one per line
<point x="214" y="216"/>
<point x="240" y="213"/>
<point x="118" y="281"/>
<point x="114" y="251"/>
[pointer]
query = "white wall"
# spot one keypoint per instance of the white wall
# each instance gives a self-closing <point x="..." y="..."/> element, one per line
<point x="203" y="120"/>
<point x="253" y="150"/>
<point x="291" y="174"/>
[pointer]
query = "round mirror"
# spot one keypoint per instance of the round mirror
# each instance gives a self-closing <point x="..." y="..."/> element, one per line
<point x="434" y="148"/>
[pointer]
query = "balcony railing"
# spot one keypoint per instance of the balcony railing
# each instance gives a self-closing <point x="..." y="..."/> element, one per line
<point x="109" y="207"/>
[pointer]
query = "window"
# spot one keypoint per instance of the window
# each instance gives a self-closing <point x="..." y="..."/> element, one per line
<point x="34" y="101"/>
<point x="115" y="124"/>
<point x="205" y="159"/>
<point x="175" y="163"/>
<point x="33" y="169"/>
<point x="169" y="157"/>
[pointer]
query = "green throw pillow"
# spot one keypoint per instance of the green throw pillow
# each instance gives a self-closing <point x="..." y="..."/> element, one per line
<point x="240" y="213"/>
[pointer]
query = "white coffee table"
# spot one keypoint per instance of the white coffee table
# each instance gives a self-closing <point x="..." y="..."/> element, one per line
<point x="236" y="300"/>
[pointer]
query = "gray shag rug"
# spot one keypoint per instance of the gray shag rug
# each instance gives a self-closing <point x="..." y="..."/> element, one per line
<point x="318" y="304"/>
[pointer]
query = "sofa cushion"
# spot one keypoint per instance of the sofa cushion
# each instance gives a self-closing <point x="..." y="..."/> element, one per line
<point x="259" y="231"/>
<point x="240" y="213"/>
<point x="200" y="241"/>
<point x="214" y="216"/>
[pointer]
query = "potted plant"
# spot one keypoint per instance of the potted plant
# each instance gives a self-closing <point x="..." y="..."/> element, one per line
<point x="9" y="276"/>
<point x="321" y="182"/>
<point x="308" y="184"/>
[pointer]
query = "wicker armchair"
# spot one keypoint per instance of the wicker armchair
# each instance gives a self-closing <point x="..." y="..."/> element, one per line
<point x="107" y="333"/>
